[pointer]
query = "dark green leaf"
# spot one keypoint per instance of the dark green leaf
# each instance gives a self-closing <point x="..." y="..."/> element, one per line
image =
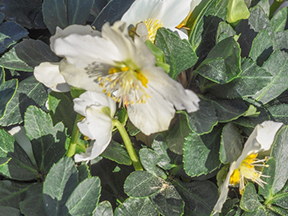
<point x="27" y="13"/>
<point x="199" y="197"/>
<point x="231" y="144"/>
<point x="113" y="11"/>
<point x="168" y="201"/>
<point x="228" y="110"/>
<point x="149" y="160"/>
<point x="7" y="91"/>
<point x="33" y="52"/>
<point x="12" y="192"/>
<point x="117" y="153"/>
<point x="203" y="35"/>
<point x="29" y="92"/>
<point x="277" y="66"/>
<point x="83" y="172"/>
<point x="224" y="31"/>
<point x="32" y="203"/>
<point x="84" y="198"/>
<point x="10" y="211"/>
<point x="280" y="153"/>
<point x="142" y="184"/>
<point x="136" y="207"/>
<point x="281" y="200"/>
<point x="248" y="83"/>
<point x="10" y="33"/>
<point x="20" y="166"/>
<point x="165" y="155"/>
<point x="279" y="20"/>
<point x="267" y="190"/>
<point x="257" y="212"/>
<point x="60" y="182"/>
<point x="203" y="120"/>
<point x="61" y="110"/>
<point x="201" y="153"/>
<point x="248" y="29"/>
<point x="223" y="62"/>
<point x="264" y="4"/>
<point x="103" y="209"/>
<point x="11" y="60"/>
<point x="249" y="200"/>
<point x="177" y="133"/>
<point x="276" y="211"/>
<point x="64" y="13"/>
<point x="48" y="141"/>
<point x="178" y="53"/>
<point x="262" y="47"/>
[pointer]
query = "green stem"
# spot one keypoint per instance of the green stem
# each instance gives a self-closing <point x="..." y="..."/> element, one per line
<point x="74" y="138"/>
<point x="274" y="7"/>
<point x="136" y="163"/>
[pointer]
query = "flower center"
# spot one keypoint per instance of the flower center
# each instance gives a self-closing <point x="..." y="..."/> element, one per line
<point x="153" y="25"/>
<point x="247" y="170"/>
<point x="124" y="85"/>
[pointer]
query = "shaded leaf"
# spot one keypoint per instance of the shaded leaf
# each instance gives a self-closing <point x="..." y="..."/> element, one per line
<point x="280" y="153"/>
<point x="10" y="211"/>
<point x="136" y="207"/>
<point x="201" y="153"/>
<point x="222" y="63"/>
<point x="32" y="203"/>
<point x="249" y="200"/>
<point x="29" y="92"/>
<point x="231" y="144"/>
<point x="103" y="209"/>
<point x="168" y="201"/>
<point x="48" y="141"/>
<point x="142" y="184"/>
<point x="83" y="172"/>
<point x="10" y="33"/>
<point x="60" y="182"/>
<point x="64" y="13"/>
<point x="117" y="153"/>
<point x="178" y="53"/>
<point x="199" y="197"/>
<point x="224" y="31"/>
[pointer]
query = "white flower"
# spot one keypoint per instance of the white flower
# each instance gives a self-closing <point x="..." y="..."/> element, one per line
<point x="123" y="69"/>
<point x="98" y="111"/>
<point x="149" y="15"/>
<point x="260" y="140"/>
<point x="49" y="74"/>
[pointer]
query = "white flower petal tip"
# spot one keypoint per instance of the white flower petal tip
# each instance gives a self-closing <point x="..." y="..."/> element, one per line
<point x="49" y="74"/>
<point x="266" y="133"/>
<point x="98" y="110"/>
<point x="156" y="13"/>
<point x="245" y="167"/>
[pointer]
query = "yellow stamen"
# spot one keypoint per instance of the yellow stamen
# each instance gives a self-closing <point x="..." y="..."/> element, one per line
<point x="153" y="25"/>
<point x="112" y="71"/>
<point x="142" y="78"/>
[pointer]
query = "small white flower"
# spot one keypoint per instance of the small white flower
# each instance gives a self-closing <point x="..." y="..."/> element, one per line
<point x="123" y="69"/>
<point x="98" y="111"/>
<point x="150" y="15"/>
<point x="260" y="140"/>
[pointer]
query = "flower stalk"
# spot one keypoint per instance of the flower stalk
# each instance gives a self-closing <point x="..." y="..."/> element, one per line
<point x="131" y="151"/>
<point x="75" y="134"/>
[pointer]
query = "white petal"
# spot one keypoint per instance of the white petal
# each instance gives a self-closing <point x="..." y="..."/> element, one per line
<point x="73" y="29"/>
<point x="78" y="77"/>
<point x="96" y="125"/>
<point x="141" y="10"/>
<point x="49" y="74"/>
<point x="171" y="90"/>
<point x="266" y="134"/>
<point x="224" y="189"/>
<point x="97" y="147"/>
<point x="97" y="99"/>
<point x="153" y="116"/>
<point x="181" y="33"/>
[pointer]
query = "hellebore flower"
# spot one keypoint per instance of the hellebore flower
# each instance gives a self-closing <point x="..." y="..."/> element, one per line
<point x="148" y="16"/>
<point x="123" y="69"/>
<point x="98" y="111"/>
<point x="243" y="169"/>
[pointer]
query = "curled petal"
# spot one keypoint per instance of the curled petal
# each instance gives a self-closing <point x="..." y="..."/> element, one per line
<point x="49" y="74"/>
